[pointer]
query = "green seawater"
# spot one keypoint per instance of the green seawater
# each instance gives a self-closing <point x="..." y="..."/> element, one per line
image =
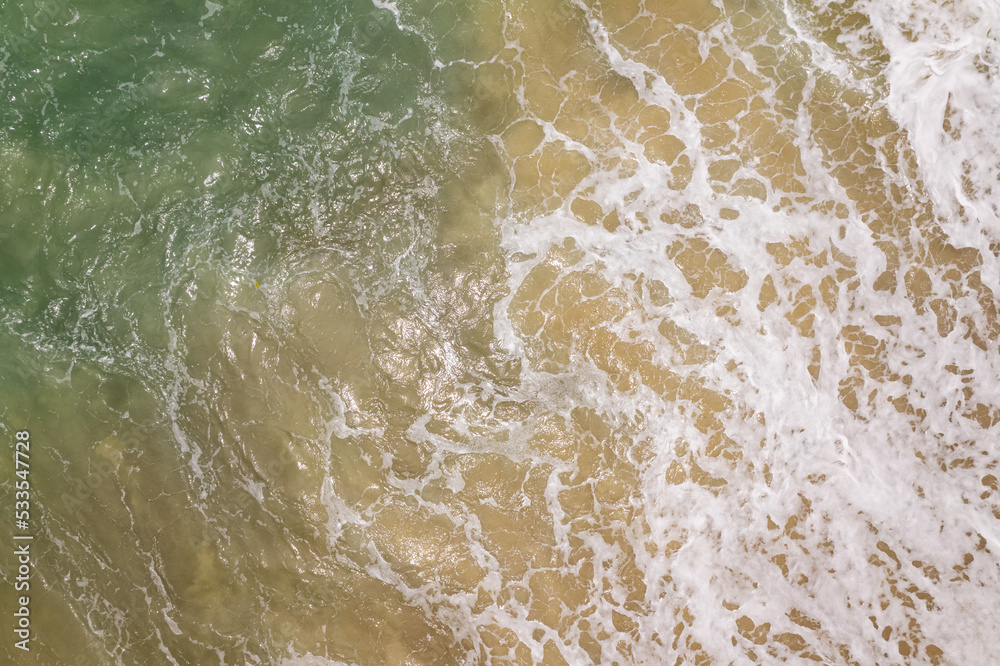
<point x="209" y="216"/>
<point x="428" y="332"/>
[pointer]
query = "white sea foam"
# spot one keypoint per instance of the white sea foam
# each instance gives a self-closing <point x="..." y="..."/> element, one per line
<point x="832" y="517"/>
<point x="718" y="423"/>
<point x="945" y="91"/>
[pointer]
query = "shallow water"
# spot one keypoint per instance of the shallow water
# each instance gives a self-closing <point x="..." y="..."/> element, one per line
<point x="503" y="332"/>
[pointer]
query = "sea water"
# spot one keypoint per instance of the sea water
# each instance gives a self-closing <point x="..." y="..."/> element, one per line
<point x="502" y="332"/>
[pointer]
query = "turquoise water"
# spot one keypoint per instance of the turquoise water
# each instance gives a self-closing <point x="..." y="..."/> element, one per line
<point x="500" y="332"/>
